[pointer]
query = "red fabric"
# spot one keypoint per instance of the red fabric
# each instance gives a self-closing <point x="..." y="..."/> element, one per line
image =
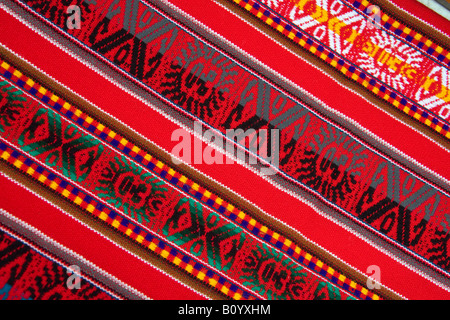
<point x="314" y="226"/>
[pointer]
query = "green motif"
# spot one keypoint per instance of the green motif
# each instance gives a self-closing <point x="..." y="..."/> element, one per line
<point x="9" y="110"/>
<point x="126" y="187"/>
<point x="189" y="224"/>
<point x="76" y="150"/>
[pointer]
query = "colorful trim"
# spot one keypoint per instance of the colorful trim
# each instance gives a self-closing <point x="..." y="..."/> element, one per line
<point x="144" y="238"/>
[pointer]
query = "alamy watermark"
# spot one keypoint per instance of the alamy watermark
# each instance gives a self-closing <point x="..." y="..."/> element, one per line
<point x="263" y="147"/>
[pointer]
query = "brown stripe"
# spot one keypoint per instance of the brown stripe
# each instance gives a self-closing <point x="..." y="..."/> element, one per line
<point x="334" y="73"/>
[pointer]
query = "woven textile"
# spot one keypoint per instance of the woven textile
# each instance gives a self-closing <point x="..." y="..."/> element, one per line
<point x="224" y="149"/>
